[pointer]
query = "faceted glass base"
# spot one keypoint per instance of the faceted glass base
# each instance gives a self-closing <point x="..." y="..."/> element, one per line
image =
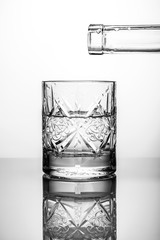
<point x="79" y="166"/>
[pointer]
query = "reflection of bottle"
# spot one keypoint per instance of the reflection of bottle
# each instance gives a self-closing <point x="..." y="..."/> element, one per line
<point x="123" y="38"/>
<point x="79" y="210"/>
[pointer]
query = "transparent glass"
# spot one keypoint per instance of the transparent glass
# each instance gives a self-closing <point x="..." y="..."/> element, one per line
<point x="79" y="128"/>
<point x="123" y="38"/>
<point x="79" y="210"/>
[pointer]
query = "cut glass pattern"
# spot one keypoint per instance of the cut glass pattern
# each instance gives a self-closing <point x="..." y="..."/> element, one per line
<point x="74" y="121"/>
<point x="92" y="219"/>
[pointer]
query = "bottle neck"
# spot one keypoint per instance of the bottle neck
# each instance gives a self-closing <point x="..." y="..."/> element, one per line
<point x="125" y="38"/>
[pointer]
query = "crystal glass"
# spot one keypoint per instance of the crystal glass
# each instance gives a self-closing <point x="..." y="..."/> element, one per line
<point x="79" y="210"/>
<point x="123" y="38"/>
<point x="79" y="128"/>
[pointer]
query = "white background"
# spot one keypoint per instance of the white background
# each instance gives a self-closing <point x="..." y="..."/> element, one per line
<point x="47" y="40"/>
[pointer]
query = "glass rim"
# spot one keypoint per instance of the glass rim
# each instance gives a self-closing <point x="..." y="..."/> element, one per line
<point x="78" y="81"/>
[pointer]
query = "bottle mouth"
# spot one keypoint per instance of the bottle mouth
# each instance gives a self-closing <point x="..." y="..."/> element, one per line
<point x="95" y="39"/>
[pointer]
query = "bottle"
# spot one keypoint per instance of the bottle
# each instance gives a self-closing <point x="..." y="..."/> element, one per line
<point x="123" y="38"/>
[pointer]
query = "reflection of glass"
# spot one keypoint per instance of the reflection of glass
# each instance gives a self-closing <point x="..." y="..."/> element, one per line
<point x="123" y="38"/>
<point x="79" y="126"/>
<point x="79" y="210"/>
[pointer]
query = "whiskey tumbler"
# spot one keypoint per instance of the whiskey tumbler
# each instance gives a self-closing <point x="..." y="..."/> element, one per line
<point x="79" y="128"/>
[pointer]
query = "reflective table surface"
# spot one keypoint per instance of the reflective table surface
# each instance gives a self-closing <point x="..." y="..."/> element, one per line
<point x="137" y="199"/>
